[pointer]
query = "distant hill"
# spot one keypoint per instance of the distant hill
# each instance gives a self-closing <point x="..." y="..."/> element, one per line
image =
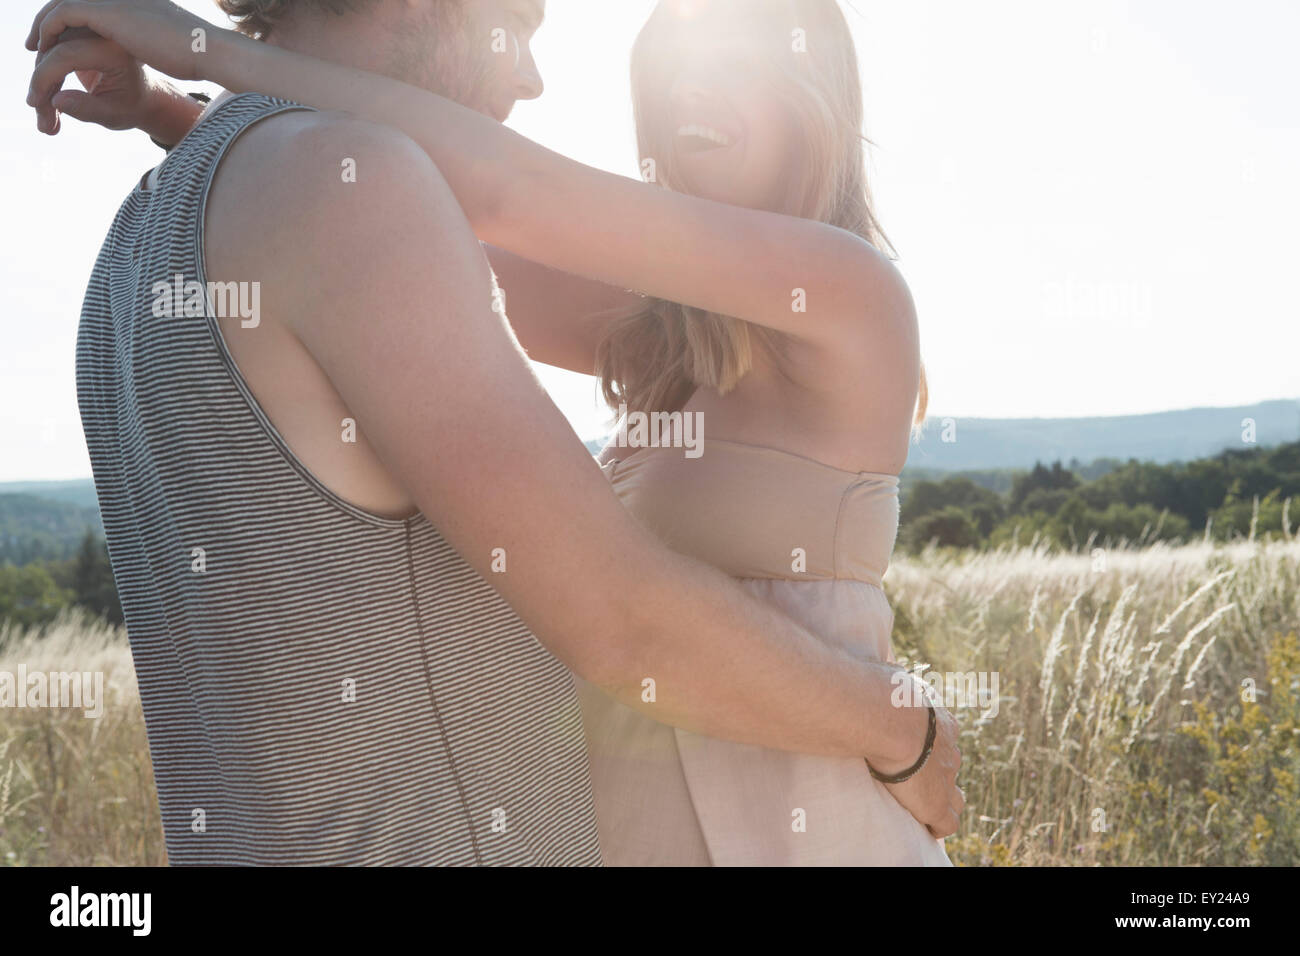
<point x="47" y="519"/>
<point x="992" y="444"/>
<point x="37" y="524"/>
<point x="80" y="491"/>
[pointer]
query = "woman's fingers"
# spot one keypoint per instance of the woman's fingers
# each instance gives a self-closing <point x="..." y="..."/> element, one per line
<point x="96" y="16"/>
<point x="34" y="36"/>
<point x="156" y="32"/>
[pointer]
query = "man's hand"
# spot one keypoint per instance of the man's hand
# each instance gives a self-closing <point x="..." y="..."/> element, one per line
<point x="117" y="92"/>
<point x="932" y="795"/>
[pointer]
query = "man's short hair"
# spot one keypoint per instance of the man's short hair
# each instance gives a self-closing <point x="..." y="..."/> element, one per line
<point x="257" y="17"/>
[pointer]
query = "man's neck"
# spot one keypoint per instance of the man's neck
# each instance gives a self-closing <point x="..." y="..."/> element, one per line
<point x="356" y="41"/>
<point x="353" y="41"/>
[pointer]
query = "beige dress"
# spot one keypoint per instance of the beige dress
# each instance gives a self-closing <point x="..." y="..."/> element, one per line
<point x="813" y="540"/>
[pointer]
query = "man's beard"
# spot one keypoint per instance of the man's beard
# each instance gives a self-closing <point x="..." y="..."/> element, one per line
<point x="443" y="52"/>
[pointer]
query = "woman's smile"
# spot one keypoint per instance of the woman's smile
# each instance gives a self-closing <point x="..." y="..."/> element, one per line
<point x="699" y="138"/>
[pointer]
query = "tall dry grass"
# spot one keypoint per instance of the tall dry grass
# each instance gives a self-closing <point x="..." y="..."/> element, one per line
<point x="1125" y="733"/>
<point x="77" y="790"/>
<point x="1122" y="735"/>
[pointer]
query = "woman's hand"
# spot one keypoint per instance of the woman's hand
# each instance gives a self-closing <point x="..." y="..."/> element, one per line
<point x="155" y="32"/>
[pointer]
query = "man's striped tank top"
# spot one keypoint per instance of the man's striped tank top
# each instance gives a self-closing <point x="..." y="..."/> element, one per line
<point x="320" y="685"/>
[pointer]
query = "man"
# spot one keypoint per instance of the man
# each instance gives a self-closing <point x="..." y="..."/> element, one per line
<point x="343" y="517"/>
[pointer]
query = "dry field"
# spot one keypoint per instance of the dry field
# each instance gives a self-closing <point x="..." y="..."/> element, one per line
<point x="1149" y="712"/>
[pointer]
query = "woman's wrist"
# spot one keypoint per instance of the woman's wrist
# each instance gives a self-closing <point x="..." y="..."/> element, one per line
<point x="171" y="114"/>
<point x="231" y="61"/>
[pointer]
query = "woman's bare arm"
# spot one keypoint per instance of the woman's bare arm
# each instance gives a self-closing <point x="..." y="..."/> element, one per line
<point x="812" y="281"/>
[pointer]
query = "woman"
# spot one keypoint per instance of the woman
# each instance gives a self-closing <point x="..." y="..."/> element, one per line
<point x="765" y="307"/>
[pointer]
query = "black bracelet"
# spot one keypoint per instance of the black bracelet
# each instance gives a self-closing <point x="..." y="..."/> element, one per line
<point x="198" y="97"/>
<point x="925" y="754"/>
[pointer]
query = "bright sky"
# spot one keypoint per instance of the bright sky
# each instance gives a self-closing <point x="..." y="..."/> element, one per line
<point x="1095" y="202"/>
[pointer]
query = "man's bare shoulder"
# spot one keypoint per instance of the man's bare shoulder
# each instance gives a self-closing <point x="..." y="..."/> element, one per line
<point x="301" y="143"/>
<point x="313" y="199"/>
<point x="325" y="213"/>
<point x="307" y="168"/>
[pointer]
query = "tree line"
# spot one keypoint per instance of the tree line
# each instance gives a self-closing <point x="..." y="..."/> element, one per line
<point x="1237" y="493"/>
<point x="33" y="594"/>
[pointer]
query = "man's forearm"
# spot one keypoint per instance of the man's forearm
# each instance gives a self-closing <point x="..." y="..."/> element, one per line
<point x="728" y="665"/>
<point x="171" y="114"/>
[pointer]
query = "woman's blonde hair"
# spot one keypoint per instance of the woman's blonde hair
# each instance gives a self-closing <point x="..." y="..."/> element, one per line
<point x="655" y="358"/>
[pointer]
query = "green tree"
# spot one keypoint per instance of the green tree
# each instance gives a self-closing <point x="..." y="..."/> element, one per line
<point x="1042" y="478"/>
<point x="29" y="596"/>
<point x="985" y="507"/>
<point x="92" y="579"/>
<point x="952" y="527"/>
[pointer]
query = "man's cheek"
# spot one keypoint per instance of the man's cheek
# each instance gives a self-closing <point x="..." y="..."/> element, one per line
<point x="506" y="51"/>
